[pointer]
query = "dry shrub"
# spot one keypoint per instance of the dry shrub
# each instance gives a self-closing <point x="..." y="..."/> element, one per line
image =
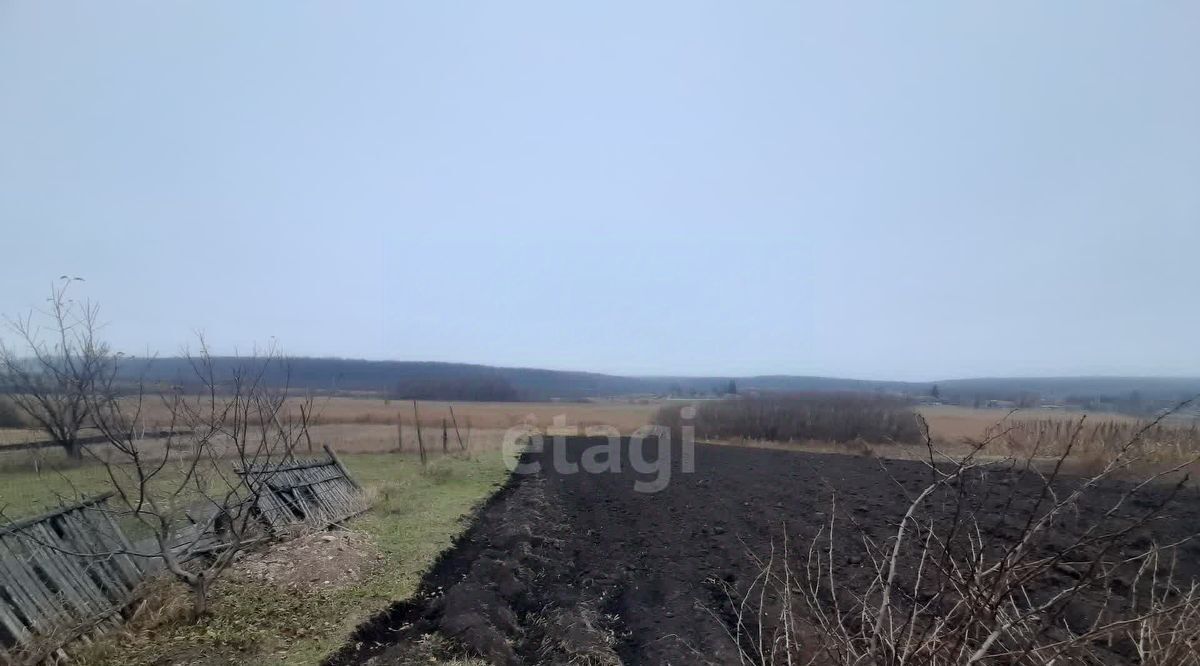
<point x="1157" y="442"/>
<point x="834" y="417"/>
<point x="162" y="601"/>
<point x="859" y="447"/>
<point x="439" y="471"/>
<point x="978" y="572"/>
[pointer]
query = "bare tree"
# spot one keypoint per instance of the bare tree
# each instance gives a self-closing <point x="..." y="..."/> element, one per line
<point x="197" y="491"/>
<point x="55" y="365"/>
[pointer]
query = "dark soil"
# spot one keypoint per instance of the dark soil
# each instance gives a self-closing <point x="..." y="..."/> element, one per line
<point x="580" y="568"/>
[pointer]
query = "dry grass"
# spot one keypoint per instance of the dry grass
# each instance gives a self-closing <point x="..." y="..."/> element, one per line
<point x="625" y="415"/>
<point x="949" y="423"/>
<point x="856" y="448"/>
<point x="371" y="425"/>
<point x="1039" y="435"/>
<point x="840" y="417"/>
<point x="956" y="424"/>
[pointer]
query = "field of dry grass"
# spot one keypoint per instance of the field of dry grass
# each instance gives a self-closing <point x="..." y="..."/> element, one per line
<point x="950" y="423"/>
<point x="371" y="425"/>
<point x="626" y="415"/>
<point x="1039" y="435"/>
<point x="368" y="425"/>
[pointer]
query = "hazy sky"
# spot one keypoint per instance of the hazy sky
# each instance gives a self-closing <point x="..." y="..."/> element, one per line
<point x="891" y="190"/>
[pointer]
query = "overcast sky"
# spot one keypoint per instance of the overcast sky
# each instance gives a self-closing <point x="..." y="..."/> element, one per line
<point x="892" y="190"/>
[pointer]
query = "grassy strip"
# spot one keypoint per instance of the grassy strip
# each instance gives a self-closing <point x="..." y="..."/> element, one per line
<point x="24" y="492"/>
<point x="417" y="515"/>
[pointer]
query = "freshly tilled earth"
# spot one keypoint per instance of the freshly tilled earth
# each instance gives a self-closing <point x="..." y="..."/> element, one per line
<point x="581" y="568"/>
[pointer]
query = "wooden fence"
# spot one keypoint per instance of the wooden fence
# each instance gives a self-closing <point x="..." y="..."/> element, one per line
<point x="59" y="578"/>
<point x="314" y="492"/>
<point x="67" y="572"/>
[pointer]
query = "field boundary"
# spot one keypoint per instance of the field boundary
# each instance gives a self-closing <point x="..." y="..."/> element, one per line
<point x="82" y="441"/>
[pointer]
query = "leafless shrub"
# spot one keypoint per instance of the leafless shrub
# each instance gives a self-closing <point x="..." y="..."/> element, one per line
<point x="835" y="417"/>
<point x="191" y="490"/>
<point x="1157" y="442"/>
<point x="973" y="574"/>
<point x="194" y="493"/>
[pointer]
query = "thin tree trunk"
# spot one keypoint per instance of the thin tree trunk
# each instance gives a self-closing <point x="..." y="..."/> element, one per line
<point x="304" y="420"/>
<point x="200" y="597"/>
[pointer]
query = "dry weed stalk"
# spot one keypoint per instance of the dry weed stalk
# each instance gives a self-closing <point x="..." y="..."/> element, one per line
<point x="1157" y="443"/>
<point x="951" y="586"/>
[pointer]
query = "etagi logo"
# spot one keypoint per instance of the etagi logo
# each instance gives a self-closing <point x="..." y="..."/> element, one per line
<point x="602" y="452"/>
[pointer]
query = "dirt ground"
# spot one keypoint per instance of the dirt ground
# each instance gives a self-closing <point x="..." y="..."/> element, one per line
<point x="326" y="559"/>
<point x="580" y="568"/>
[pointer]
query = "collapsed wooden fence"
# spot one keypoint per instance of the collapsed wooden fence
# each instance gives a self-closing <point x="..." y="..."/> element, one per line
<point x="305" y="491"/>
<point x="68" y="572"/>
<point x="53" y="584"/>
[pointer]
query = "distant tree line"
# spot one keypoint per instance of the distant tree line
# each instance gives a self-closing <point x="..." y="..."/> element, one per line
<point x="479" y="388"/>
<point x="1134" y="402"/>
<point x="1016" y="399"/>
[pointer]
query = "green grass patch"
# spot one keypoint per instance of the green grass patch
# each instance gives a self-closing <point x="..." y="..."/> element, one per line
<point x="29" y="490"/>
<point x="25" y="492"/>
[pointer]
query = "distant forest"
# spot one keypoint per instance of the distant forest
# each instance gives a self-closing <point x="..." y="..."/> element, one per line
<point x="459" y="381"/>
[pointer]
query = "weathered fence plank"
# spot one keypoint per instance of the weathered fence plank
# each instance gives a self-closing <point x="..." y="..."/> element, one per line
<point x="66" y="571"/>
<point x="60" y="574"/>
<point x="314" y="492"/>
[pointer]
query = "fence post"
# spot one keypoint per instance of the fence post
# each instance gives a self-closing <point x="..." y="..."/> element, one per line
<point x="420" y="443"/>
<point x="456" y="432"/>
